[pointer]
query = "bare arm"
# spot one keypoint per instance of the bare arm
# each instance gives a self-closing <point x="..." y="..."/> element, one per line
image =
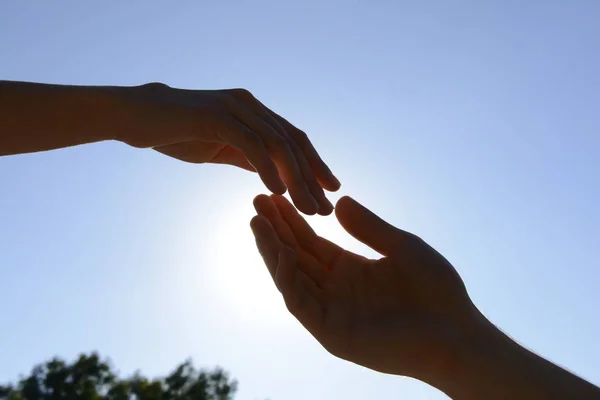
<point x="490" y="365"/>
<point x="199" y="126"/>
<point x="38" y="117"/>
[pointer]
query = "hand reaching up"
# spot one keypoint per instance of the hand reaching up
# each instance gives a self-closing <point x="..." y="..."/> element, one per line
<point x="407" y="313"/>
<point x="398" y="314"/>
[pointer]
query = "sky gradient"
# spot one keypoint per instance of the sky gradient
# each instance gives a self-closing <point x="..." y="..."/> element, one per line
<point x="473" y="124"/>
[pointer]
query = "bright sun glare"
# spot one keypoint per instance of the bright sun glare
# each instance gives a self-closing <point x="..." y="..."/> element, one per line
<point x="243" y="279"/>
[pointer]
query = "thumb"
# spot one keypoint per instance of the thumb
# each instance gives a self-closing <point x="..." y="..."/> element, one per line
<point x="367" y="227"/>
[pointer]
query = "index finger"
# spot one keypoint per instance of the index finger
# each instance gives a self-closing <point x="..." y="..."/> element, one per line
<point x="252" y="146"/>
<point x="312" y="266"/>
<point x="324" y="250"/>
<point x="322" y="172"/>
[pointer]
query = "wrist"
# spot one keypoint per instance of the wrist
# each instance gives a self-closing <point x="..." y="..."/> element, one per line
<point x="474" y="350"/>
<point x="145" y="108"/>
<point x="473" y="353"/>
<point x="487" y="364"/>
<point x="125" y="105"/>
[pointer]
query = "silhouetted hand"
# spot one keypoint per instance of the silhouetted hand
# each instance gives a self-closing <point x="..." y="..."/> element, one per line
<point x="398" y="314"/>
<point x="407" y="313"/>
<point x="231" y="127"/>
<point x="199" y="126"/>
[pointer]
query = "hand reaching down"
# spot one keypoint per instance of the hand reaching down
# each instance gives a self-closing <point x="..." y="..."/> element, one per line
<point x="197" y="126"/>
<point x="233" y="127"/>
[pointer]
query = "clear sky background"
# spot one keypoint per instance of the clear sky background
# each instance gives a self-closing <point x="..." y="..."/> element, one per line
<point x="475" y="124"/>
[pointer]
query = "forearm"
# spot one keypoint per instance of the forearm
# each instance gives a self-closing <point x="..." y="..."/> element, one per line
<point x="492" y="366"/>
<point x="38" y="117"/>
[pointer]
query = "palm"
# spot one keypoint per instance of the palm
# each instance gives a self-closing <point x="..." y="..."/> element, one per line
<point x="372" y="312"/>
<point x="199" y="152"/>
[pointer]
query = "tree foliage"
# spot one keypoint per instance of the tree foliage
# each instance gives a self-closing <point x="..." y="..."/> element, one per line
<point x="91" y="378"/>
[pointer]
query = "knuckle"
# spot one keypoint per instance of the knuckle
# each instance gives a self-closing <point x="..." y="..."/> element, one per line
<point x="156" y="86"/>
<point x="415" y="238"/>
<point x="302" y="136"/>
<point x="241" y="94"/>
<point x="413" y="241"/>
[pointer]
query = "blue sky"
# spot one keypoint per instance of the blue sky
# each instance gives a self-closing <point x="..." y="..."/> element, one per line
<point x="473" y="124"/>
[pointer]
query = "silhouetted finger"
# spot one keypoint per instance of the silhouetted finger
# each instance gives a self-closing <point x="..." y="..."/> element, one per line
<point x="251" y="144"/>
<point x="325" y="206"/>
<point x="265" y="206"/>
<point x="246" y="99"/>
<point x="267" y="242"/>
<point x="299" y="226"/>
<point x="325" y="251"/>
<point x="297" y="299"/>
<point x="321" y="170"/>
<point x="368" y="228"/>
<point x="283" y="156"/>
<point x="269" y="246"/>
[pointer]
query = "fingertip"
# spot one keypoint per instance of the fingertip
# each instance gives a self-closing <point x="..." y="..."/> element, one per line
<point x="309" y="208"/>
<point x="306" y="204"/>
<point x="273" y="181"/>
<point x="345" y="207"/>
<point x="253" y="221"/>
<point x="344" y="202"/>
<point x="327" y="180"/>
<point x="260" y="196"/>
<point x="333" y="184"/>
<point x="269" y="175"/>
<point x="278" y="187"/>
<point x="326" y="208"/>
<point x="260" y="200"/>
<point x="257" y="221"/>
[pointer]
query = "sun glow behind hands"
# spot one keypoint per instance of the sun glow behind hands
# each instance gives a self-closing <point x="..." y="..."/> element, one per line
<point x="245" y="285"/>
<point x="217" y="261"/>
